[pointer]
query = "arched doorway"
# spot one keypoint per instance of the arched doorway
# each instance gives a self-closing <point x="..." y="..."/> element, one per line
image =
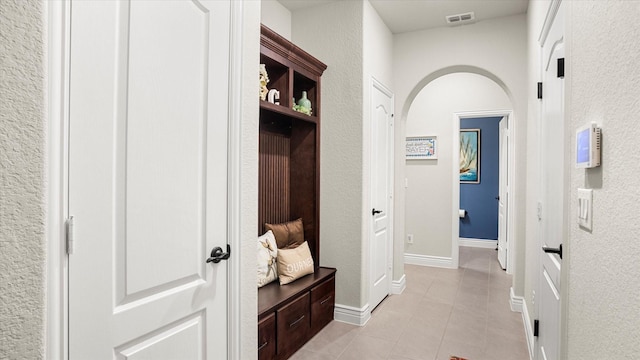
<point x="431" y="198"/>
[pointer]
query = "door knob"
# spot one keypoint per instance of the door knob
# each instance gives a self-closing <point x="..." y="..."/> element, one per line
<point x="557" y="250"/>
<point x="374" y="211"/>
<point x="217" y="255"/>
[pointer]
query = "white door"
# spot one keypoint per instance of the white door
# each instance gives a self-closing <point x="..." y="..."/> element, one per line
<point x="553" y="200"/>
<point x="148" y="179"/>
<point x="381" y="146"/>
<point x="503" y="197"/>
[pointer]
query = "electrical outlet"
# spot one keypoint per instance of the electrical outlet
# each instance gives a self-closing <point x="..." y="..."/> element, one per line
<point x="410" y="238"/>
<point x="533" y="297"/>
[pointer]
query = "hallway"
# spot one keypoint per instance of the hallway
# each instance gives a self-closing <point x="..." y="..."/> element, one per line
<point x="441" y="313"/>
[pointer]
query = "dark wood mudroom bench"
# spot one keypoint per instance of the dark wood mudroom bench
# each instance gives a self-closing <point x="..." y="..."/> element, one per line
<point x="290" y="315"/>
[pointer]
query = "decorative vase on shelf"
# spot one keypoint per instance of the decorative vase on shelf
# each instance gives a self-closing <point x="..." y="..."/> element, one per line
<point x="303" y="105"/>
<point x="304" y="101"/>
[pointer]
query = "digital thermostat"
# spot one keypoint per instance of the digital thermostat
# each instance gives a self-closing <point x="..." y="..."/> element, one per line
<point x="588" y="146"/>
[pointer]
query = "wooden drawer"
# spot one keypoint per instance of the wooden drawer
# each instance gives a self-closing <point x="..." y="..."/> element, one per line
<point x="294" y="323"/>
<point x="267" y="338"/>
<point x="322" y="304"/>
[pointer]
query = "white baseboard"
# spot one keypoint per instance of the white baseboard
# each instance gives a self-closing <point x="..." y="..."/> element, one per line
<point x="426" y="260"/>
<point x="352" y="315"/>
<point x="478" y="243"/>
<point x="528" y="330"/>
<point x="515" y="301"/>
<point x="398" y="286"/>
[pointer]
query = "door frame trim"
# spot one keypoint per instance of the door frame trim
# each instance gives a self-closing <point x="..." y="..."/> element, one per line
<point x="57" y="286"/>
<point x="376" y="84"/>
<point x="552" y="11"/>
<point x="57" y="60"/>
<point x="234" y="208"/>
<point x="455" y="231"/>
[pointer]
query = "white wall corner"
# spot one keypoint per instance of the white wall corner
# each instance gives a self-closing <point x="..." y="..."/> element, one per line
<point x="515" y="301"/>
<point x="528" y="330"/>
<point x="428" y="260"/>
<point x="478" y="243"/>
<point x="398" y="286"/>
<point x="276" y="17"/>
<point x="352" y="315"/>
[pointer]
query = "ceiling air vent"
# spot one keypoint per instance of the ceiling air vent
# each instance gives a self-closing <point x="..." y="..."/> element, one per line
<point x="460" y="19"/>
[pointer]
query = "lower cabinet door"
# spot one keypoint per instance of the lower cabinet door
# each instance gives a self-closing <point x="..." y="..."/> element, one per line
<point x="322" y="304"/>
<point x="294" y="323"/>
<point x="267" y="338"/>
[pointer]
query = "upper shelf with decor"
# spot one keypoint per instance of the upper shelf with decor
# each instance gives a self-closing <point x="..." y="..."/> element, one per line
<point x="290" y="78"/>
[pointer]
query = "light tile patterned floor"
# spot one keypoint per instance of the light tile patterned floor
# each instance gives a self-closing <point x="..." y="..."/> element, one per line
<point x="442" y="312"/>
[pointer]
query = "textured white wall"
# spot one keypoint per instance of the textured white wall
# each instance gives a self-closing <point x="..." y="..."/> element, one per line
<point x="356" y="45"/>
<point x="378" y="50"/>
<point x="428" y="215"/>
<point x="22" y="182"/>
<point x="494" y="47"/>
<point x="276" y="17"/>
<point x="604" y="267"/>
<point x="333" y="34"/>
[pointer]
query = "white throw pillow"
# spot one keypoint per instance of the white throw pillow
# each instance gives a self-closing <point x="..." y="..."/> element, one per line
<point x="267" y="253"/>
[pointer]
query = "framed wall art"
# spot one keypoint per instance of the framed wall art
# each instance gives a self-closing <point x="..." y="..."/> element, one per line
<point x="470" y="156"/>
<point x="422" y="148"/>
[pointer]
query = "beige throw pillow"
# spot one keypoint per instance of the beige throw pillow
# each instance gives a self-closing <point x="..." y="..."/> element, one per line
<point x="289" y="234"/>
<point x="267" y="253"/>
<point x="294" y="263"/>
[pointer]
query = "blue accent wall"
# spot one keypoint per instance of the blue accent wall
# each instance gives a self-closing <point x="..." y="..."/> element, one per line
<point x="479" y="200"/>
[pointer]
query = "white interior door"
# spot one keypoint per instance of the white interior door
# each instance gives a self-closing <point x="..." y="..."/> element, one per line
<point x="553" y="201"/>
<point x="148" y="179"/>
<point x="381" y="145"/>
<point x="503" y="197"/>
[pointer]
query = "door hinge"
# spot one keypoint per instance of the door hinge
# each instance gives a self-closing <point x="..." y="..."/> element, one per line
<point x="561" y="68"/>
<point x="70" y="237"/>
<point x="539" y="211"/>
<point x="539" y="90"/>
<point x="536" y="327"/>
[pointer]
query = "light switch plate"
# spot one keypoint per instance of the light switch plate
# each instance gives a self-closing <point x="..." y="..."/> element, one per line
<point x="585" y="208"/>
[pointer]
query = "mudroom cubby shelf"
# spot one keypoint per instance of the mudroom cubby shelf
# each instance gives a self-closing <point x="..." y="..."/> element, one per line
<point x="279" y="110"/>
<point x="291" y="71"/>
<point x="289" y="188"/>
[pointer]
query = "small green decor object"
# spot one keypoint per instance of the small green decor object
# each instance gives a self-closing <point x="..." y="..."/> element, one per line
<point x="304" y="105"/>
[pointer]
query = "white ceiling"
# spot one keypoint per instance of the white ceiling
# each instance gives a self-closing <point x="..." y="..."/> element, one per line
<point x="411" y="15"/>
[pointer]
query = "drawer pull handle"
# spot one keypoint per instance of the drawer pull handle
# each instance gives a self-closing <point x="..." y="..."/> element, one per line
<point x="325" y="300"/>
<point x="263" y="345"/>
<point x="297" y="321"/>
